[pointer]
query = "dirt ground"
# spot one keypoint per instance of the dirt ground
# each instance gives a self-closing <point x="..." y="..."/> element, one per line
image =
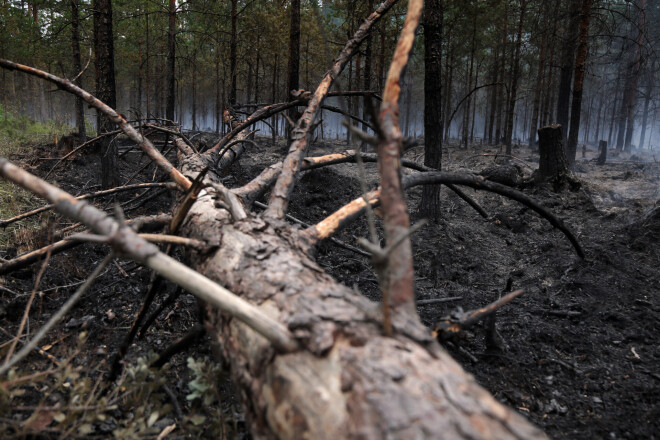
<point x="580" y="354"/>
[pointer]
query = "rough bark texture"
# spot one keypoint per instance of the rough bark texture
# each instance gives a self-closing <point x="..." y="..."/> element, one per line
<point x="233" y="44"/>
<point x="294" y="59"/>
<point x="347" y="380"/>
<point x="514" y="79"/>
<point x="430" y="203"/>
<point x="105" y="89"/>
<point x="578" y="81"/>
<point x="568" y="42"/>
<point x="553" y="165"/>
<point x="171" y="47"/>
<point x="77" y="67"/>
<point x="602" y="157"/>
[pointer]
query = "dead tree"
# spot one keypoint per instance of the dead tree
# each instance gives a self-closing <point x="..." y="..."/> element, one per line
<point x="553" y="165"/>
<point x="104" y="65"/>
<point x="602" y="157"/>
<point x="308" y="355"/>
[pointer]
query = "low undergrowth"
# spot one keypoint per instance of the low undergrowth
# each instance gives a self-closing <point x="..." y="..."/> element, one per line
<point x="18" y="133"/>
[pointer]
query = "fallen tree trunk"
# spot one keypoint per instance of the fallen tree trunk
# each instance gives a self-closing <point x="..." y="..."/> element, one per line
<point x="348" y="380"/>
<point x="327" y="370"/>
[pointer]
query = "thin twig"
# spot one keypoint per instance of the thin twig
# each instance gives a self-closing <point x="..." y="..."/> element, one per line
<point x="280" y="194"/>
<point x="26" y="313"/>
<point x="56" y="317"/>
<point x="126" y="242"/>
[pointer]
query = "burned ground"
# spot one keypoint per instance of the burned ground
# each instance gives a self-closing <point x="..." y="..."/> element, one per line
<point x="581" y="345"/>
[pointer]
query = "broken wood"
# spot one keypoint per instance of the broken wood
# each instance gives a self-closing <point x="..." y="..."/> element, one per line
<point x="450" y="326"/>
<point x="553" y="164"/>
<point x="602" y="156"/>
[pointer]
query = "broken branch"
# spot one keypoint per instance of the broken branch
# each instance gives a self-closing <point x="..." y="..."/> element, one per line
<point x="279" y="198"/>
<point x="115" y="117"/>
<point x="126" y="242"/>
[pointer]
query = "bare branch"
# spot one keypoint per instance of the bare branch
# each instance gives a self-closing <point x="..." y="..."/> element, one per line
<point x="398" y="271"/>
<point x="4" y="223"/>
<point x="279" y="199"/>
<point x="56" y="317"/>
<point x="62" y="245"/>
<point x="115" y="117"/>
<point x="126" y="242"/>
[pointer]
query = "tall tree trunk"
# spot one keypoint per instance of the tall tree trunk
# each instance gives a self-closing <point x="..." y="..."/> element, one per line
<point x="514" y="78"/>
<point x="636" y="68"/>
<point x="501" y="87"/>
<point x="105" y="88"/>
<point x="647" y="101"/>
<point x="367" y="68"/>
<point x="256" y="70"/>
<point x="492" y="92"/>
<point x="474" y="105"/>
<point x="578" y="81"/>
<point x="381" y="59"/>
<point x="273" y="120"/>
<point x="171" y="47"/>
<point x="432" y="21"/>
<point x="147" y="77"/>
<point x="567" y="62"/>
<point x="194" y="96"/>
<point x="218" y="102"/>
<point x="77" y="67"/>
<point x="233" y="43"/>
<point x="597" y="135"/>
<point x="293" y="71"/>
<point x="533" y="125"/>
<point x="469" y="78"/>
<point x="448" y="92"/>
<point x="614" y="105"/>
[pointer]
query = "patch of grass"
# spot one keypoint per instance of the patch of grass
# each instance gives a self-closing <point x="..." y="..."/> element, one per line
<point x="19" y="133"/>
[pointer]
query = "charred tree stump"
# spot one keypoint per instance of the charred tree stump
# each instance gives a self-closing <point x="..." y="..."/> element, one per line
<point x="553" y="165"/>
<point x="602" y="157"/>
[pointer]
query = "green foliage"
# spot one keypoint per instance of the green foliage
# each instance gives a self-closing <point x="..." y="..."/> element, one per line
<point x="68" y="401"/>
<point x="17" y="134"/>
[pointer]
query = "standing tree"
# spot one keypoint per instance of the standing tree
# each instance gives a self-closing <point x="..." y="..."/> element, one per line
<point x="578" y="81"/>
<point x="105" y="89"/>
<point x="514" y="79"/>
<point x="77" y="67"/>
<point x="432" y="21"/>
<point x="567" y="61"/>
<point x="171" y="47"/>
<point x="294" y="56"/>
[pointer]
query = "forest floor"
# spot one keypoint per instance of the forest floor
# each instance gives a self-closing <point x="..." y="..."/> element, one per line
<point x="581" y="351"/>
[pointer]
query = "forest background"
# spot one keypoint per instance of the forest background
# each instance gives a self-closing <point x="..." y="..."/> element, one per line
<point x="237" y="52"/>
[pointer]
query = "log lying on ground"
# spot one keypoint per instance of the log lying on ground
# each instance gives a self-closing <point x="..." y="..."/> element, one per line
<point x="348" y="380"/>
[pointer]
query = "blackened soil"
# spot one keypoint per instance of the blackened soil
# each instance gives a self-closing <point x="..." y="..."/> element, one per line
<point x="580" y="349"/>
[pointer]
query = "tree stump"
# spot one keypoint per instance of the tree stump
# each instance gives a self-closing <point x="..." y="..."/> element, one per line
<point x="553" y="165"/>
<point x="602" y="147"/>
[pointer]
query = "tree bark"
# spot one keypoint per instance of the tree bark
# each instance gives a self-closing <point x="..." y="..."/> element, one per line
<point x="433" y="11"/>
<point x="578" y="81"/>
<point x="171" y="48"/>
<point x="105" y="89"/>
<point x="500" y="90"/>
<point x="233" y="44"/>
<point x="645" y="116"/>
<point x="602" y="157"/>
<point x="567" y="62"/>
<point x="77" y="67"/>
<point x="514" y="78"/>
<point x="553" y="165"/>
<point x="539" y="86"/>
<point x="293" y="71"/>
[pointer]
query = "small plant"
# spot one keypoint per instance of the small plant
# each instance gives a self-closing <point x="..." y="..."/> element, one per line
<point x="68" y="402"/>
